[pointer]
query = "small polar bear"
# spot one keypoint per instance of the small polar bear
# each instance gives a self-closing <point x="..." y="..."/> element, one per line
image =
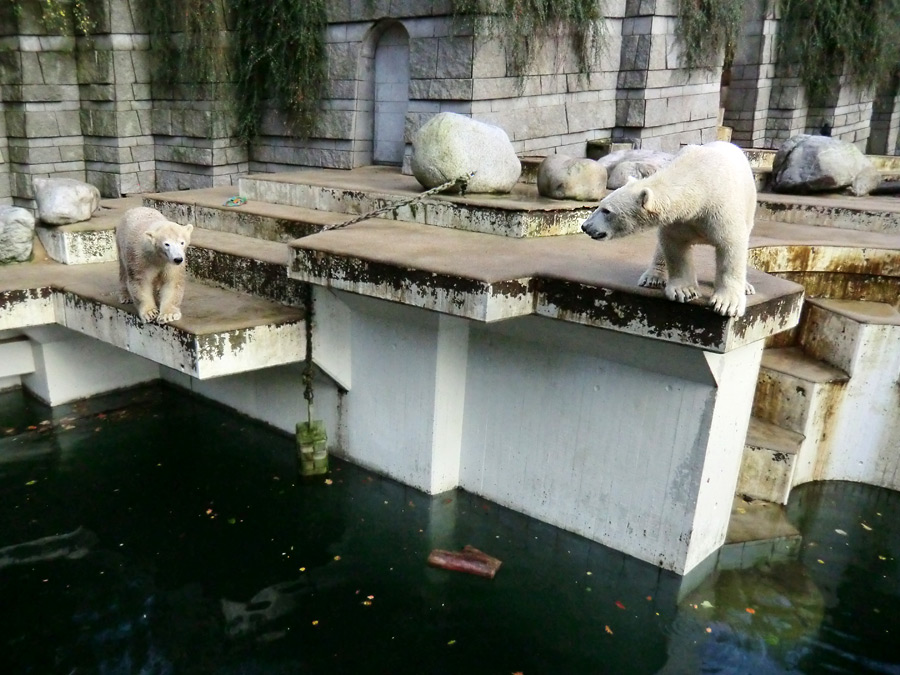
<point x="705" y="195"/>
<point x="151" y="263"/>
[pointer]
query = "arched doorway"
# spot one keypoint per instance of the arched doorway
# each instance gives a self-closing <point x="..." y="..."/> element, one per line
<point x="391" y="95"/>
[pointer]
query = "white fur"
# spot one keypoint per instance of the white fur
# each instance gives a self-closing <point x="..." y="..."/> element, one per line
<point x="151" y="263"/>
<point x="706" y="195"/>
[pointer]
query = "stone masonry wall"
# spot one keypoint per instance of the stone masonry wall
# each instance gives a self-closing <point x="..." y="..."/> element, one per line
<point x="86" y="107"/>
<point x="885" y="131"/>
<point x="659" y="103"/>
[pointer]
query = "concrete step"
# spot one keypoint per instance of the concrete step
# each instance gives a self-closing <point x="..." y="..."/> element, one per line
<point x="206" y="209"/>
<point x="794" y="390"/>
<point x="849" y="334"/>
<point x="758" y="532"/>
<point x="871" y="214"/>
<point x="768" y="462"/>
<point x="246" y="265"/>
<point x="92" y="241"/>
<point x="221" y="332"/>
<point x="521" y="213"/>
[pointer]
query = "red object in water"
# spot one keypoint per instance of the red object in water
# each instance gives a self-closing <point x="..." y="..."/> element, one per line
<point x="469" y="560"/>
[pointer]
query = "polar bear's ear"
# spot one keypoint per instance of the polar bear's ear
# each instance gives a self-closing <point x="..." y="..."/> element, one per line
<point x="188" y="228"/>
<point x="149" y="235"/>
<point x="647" y="200"/>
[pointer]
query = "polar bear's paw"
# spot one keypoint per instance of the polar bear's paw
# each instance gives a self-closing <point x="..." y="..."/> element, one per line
<point x="148" y="314"/>
<point x="174" y="315"/>
<point x="652" y="279"/>
<point x="748" y="289"/>
<point x="681" y="292"/>
<point x="728" y="302"/>
<point x="124" y="298"/>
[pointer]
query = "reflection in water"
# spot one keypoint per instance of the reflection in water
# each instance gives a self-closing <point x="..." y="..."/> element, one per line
<point x="188" y="546"/>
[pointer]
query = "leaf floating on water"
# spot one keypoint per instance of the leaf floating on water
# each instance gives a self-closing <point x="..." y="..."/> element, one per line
<point x="706" y="604"/>
<point x="841" y="532"/>
<point x="866" y="527"/>
<point x="232" y="521"/>
<point x="820" y="561"/>
<point x="451" y="642"/>
<point x="328" y="481"/>
<point x="619" y="604"/>
<point x="608" y="629"/>
<point x="31" y="482"/>
<point x="750" y="610"/>
<point x="708" y="629"/>
<point x="882" y="557"/>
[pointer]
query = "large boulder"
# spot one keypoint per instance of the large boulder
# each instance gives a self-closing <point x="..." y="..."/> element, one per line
<point x="61" y="201"/>
<point x="451" y="146"/>
<point x="808" y="163"/>
<point x="625" y="164"/>
<point x="562" y="177"/>
<point x="16" y="234"/>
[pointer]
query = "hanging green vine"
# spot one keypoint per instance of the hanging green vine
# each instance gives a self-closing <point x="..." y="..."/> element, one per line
<point x="280" y="55"/>
<point x="520" y="24"/>
<point x="188" y="41"/>
<point x="706" y="28"/>
<point x="65" y="17"/>
<point x="825" y="38"/>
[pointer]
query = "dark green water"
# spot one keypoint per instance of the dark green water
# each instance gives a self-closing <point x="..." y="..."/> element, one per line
<point x="183" y="505"/>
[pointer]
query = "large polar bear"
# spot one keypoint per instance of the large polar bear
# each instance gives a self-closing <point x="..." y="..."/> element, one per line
<point x="151" y="263"/>
<point x="707" y="195"/>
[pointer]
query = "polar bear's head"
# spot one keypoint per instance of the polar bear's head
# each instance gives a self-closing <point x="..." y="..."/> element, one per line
<point x="171" y="240"/>
<point x="628" y="210"/>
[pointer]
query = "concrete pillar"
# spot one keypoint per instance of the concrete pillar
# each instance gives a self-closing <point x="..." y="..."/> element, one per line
<point x="404" y="412"/>
<point x="658" y="102"/>
<point x="751" y="75"/>
<point x="885" y="125"/>
<point x="69" y="366"/>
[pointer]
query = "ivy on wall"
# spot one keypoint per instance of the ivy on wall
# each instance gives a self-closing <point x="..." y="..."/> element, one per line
<point x="825" y="38"/>
<point x="706" y="29"/>
<point x="520" y="25"/>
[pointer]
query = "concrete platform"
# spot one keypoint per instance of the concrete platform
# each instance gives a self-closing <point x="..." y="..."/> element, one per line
<point x="221" y="332"/>
<point x="519" y="214"/>
<point x="569" y="278"/>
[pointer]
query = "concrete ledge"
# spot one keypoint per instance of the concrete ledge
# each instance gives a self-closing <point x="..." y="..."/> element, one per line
<point x="572" y="278"/>
<point x="871" y="214"/>
<point x="92" y="241"/>
<point x="520" y="214"/>
<point x="221" y="333"/>
<point x="206" y="209"/>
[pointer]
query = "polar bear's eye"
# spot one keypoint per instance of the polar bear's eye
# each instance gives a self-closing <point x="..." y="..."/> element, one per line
<point x="167" y="244"/>
<point x="604" y="210"/>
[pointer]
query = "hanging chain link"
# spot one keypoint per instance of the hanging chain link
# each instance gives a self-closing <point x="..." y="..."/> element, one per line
<point x="459" y="183"/>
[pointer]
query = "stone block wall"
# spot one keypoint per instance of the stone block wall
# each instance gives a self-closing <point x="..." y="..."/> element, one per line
<point x="884" y="135"/>
<point x="658" y="103"/>
<point x="86" y="107"/>
<point x="751" y="76"/>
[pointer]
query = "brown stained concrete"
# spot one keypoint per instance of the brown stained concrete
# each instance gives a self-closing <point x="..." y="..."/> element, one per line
<point x="205" y="310"/>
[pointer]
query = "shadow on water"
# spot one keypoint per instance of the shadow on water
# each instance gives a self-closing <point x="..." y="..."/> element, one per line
<point x="153" y="532"/>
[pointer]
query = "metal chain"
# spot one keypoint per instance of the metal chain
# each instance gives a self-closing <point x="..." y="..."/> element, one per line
<point x="460" y="183"/>
<point x="308" y="366"/>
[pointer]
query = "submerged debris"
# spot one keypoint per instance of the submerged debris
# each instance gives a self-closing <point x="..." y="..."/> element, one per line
<point x="469" y="560"/>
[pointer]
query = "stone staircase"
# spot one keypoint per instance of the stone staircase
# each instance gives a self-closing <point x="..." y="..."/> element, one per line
<point x="819" y="402"/>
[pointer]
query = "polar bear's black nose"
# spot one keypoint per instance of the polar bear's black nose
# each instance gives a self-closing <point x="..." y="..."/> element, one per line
<point x="178" y="261"/>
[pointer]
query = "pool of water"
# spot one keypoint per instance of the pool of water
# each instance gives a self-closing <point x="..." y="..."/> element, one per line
<point x="153" y="532"/>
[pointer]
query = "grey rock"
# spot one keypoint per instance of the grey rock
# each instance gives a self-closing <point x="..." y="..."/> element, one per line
<point x="61" y="201"/>
<point x="625" y="164"/>
<point x="806" y="163"/>
<point x="16" y="234"/>
<point x="562" y="177"/>
<point x="451" y="146"/>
